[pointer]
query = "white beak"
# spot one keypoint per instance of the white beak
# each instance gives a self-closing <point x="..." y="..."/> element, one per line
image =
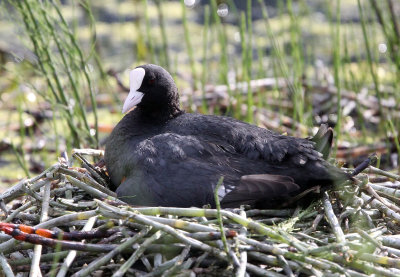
<point x="136" y="77"/>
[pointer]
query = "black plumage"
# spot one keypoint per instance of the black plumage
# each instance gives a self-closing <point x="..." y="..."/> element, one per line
<point x="158" y="155"/>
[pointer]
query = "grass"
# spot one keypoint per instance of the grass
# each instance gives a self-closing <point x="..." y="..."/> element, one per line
<point x="336" y="72"/>
<point x="199" y="48"/>
<point x="69" y="61"/>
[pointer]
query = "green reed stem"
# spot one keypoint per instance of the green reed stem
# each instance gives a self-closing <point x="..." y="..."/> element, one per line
<point x="45" y="61"/>
<point x="189" y="45"/>
<point x="161" y="22"/>
<point x="390" y="30"/>
<point x="249" y="60"/>
<point x="67" y="68"/>
<point x="95" y="51"/>
<point x="370" y="61"/>
<point x="219" y="217"/>
<point x="205" y="69"/>
<point x="238" y="94"/>
<point x="222" y="39"/>
<point x="280" y="57"/>
<point x="336" y="68"/>
<point x="298" y="63"/>
<point x="19" y="154"/>
<point x="149" y="38"/>
<point x="85" y="74"/>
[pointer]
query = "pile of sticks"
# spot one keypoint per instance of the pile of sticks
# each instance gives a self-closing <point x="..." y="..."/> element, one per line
<point x="66" y="222"/>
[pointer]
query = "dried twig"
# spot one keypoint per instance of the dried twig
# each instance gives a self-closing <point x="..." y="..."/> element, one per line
<point x="189" y="240"/>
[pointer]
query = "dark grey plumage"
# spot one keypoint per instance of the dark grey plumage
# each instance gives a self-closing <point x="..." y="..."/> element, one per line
<point x="158" y="155"/>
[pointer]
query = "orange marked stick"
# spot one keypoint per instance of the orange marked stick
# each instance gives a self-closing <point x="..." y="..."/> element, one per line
<point x="65" y="245"/>
<point x="75" y="235"/>
<point x="28" y="229"/>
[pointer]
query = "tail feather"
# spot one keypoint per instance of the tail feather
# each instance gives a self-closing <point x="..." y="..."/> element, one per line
<point x="323" y="140"/>
<point x="254" y="188"/>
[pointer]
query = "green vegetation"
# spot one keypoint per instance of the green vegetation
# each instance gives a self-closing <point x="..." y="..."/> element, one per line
<point x="331" y="61"/>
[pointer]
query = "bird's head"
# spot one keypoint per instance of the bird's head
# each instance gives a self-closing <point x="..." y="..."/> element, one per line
<point x="152" y="89"/>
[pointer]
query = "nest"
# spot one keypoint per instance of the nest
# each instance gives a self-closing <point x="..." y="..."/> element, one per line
<point x="66" y="222"/>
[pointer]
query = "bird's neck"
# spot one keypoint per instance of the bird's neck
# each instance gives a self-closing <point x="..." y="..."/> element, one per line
<point x="159" y="115"/>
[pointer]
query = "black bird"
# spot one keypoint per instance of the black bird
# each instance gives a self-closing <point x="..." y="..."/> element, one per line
<point x="158" y="155"/>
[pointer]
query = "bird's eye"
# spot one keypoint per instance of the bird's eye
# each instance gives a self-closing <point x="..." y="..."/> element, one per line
<point x="151" y="81"/>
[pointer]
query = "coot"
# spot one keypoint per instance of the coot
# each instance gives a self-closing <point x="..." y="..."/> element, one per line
<point x="158" y="155"/>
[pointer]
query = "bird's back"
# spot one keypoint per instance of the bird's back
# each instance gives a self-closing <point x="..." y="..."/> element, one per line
<point x="179" y="162"/>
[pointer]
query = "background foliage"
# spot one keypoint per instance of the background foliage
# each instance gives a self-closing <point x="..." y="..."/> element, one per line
<point x="64" y="69"/>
